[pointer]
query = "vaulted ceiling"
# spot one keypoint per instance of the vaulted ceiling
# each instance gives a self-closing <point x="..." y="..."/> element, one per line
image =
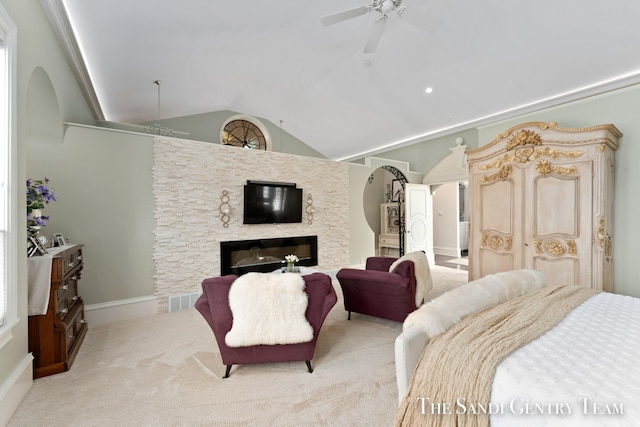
<point x="488" y="60"/>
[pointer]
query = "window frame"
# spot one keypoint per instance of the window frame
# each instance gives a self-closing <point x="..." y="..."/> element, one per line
<point x="9" y="192"/>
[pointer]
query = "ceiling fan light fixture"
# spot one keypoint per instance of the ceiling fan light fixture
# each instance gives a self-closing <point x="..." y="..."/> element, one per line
<point x="429" y="89"/>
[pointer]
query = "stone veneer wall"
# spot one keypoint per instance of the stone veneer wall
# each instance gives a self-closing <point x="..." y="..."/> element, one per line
<point x="188" y="180"/>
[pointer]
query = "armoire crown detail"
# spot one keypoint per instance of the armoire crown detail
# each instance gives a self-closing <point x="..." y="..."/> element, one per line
<point x="542" y="198"/>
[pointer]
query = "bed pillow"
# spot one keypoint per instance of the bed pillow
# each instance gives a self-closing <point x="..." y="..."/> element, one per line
<point x="439" y="314"/>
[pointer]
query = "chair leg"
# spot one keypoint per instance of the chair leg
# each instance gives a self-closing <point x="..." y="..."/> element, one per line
<point x="309" y="368"/>
<point x="226" y="374"/>
<point x="349" y="318"/>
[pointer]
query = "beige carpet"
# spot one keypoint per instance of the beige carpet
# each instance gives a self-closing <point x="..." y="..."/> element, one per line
<point x="165" y="370"/>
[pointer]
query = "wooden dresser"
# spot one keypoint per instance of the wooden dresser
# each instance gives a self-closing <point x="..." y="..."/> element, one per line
<point x="55" y="337"/>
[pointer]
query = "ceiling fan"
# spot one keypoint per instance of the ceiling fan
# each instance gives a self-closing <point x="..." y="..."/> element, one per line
<point x="423" y="21"/>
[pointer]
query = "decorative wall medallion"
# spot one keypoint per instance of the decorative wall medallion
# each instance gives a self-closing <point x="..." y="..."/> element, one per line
<point x="309" y="209"/>
<point x="572" y="249"/>
<point x="524" y="137"/>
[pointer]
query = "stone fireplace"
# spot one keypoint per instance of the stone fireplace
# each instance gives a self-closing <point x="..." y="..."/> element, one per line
<point x="265" y="255"/>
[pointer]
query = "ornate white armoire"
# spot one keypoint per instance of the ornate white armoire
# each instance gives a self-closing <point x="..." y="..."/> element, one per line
<point x="542" y="198"/>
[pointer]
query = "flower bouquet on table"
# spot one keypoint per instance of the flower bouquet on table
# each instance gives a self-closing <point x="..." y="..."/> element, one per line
<point x="38" y="195"/>
<point x="291" y="262"/>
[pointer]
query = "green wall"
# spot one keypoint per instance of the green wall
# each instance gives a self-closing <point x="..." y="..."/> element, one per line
<point x="38" y="56"/>
<point x="206" y="127"/>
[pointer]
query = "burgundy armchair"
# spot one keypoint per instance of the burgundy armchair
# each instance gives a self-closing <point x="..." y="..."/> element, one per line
<point x="213" y="304"/>
<point x="377" y="292"/>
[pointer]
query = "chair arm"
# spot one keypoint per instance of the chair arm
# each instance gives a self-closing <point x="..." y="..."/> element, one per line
<point x="367" y="277"/>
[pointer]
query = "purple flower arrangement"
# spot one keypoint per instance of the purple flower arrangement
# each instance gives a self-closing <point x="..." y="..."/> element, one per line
<point x="38" y="195"/>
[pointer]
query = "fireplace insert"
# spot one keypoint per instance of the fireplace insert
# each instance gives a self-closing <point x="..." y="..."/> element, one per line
<point x="265" y="255"/>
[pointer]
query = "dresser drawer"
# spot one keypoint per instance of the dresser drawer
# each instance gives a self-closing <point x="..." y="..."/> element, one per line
<point x="390" y="242"/>
<point x="72" y="325"/>
<point x="66" y="297"/>
<point x="72" y="262"/>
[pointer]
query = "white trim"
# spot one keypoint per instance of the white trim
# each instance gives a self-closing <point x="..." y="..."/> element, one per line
<point x="454" y="252"/>
<point x="6" y="333"/>
<point x="9" y="31"/>
<point x="112" y="311"/>
<point x="15" y="388"/>
<point x="598" y="88"/>
<point x="62" y="28"/>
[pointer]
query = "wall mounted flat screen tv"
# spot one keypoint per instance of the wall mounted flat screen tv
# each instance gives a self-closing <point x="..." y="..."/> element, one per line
<point x="272" y="203"/>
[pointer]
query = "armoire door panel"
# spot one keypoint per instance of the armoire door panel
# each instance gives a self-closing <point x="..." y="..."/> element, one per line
<point x="494" y="262"/>
<point x="557" y="208"/>
<point x="497" y="207"/>
<point x="560" y="272"/>
<point x="561" y="234"/>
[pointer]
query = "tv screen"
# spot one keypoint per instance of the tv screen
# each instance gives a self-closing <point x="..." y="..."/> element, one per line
<point x="271" y="203"/>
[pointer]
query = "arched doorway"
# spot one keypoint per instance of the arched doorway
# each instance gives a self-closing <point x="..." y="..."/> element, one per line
<point x="385" y="189"/>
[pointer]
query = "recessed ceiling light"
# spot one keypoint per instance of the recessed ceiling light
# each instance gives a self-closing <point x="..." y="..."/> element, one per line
<point x="429" y="90"/>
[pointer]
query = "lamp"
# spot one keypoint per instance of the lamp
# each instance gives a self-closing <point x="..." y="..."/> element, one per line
<point x="158" y="128"/>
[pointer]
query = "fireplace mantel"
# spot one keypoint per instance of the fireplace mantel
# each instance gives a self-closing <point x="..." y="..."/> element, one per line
<point x="265" y="255"/>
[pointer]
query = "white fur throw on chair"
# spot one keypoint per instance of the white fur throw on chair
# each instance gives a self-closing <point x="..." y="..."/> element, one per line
<point x="269" y="309"/>
<point x="439" y="314"/>
<point x="424" y="281"/>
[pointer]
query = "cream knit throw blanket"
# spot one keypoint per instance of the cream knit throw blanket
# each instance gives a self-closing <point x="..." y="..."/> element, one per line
<point x="461" y="363"/>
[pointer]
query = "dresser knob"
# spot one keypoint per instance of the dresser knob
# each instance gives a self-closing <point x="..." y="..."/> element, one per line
<point x="75" y="298"/>
<point x="79" y="257"/>
<point x="65" y="287"/>
<point x="70" y="264"/>
<point x="64" y="310"/>
<point x="74" y="277"/>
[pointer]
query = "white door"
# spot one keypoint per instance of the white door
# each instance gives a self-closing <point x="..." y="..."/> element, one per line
<point x="419" y="220"/>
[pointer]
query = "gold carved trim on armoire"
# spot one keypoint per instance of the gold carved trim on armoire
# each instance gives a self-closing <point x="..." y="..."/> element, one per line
<point x="544" y="168"/>
<point x="555" y="247"/>
<point x="496" y="242"/>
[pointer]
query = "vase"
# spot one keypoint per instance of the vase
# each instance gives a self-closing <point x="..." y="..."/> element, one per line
<point x="291" y="267"/>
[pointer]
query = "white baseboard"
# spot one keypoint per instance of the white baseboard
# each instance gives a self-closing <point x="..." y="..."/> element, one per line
<point x="453" y="252"/>
<point x="133" y="308"/>
<point x="15" y="388"/>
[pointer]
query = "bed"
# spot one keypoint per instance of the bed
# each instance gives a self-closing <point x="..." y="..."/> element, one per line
<point x="582" y="370"/>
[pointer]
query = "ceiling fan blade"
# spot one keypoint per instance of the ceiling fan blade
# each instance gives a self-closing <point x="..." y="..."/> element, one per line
<point x="422" y="20"/>
<point x="374" y="37"/>
<point x="344" y="15"/>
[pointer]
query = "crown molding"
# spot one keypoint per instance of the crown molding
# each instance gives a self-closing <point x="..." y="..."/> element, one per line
<point x="59" y="21"/>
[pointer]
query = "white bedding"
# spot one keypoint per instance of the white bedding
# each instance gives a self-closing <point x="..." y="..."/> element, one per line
<point x="589" y="364"/>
